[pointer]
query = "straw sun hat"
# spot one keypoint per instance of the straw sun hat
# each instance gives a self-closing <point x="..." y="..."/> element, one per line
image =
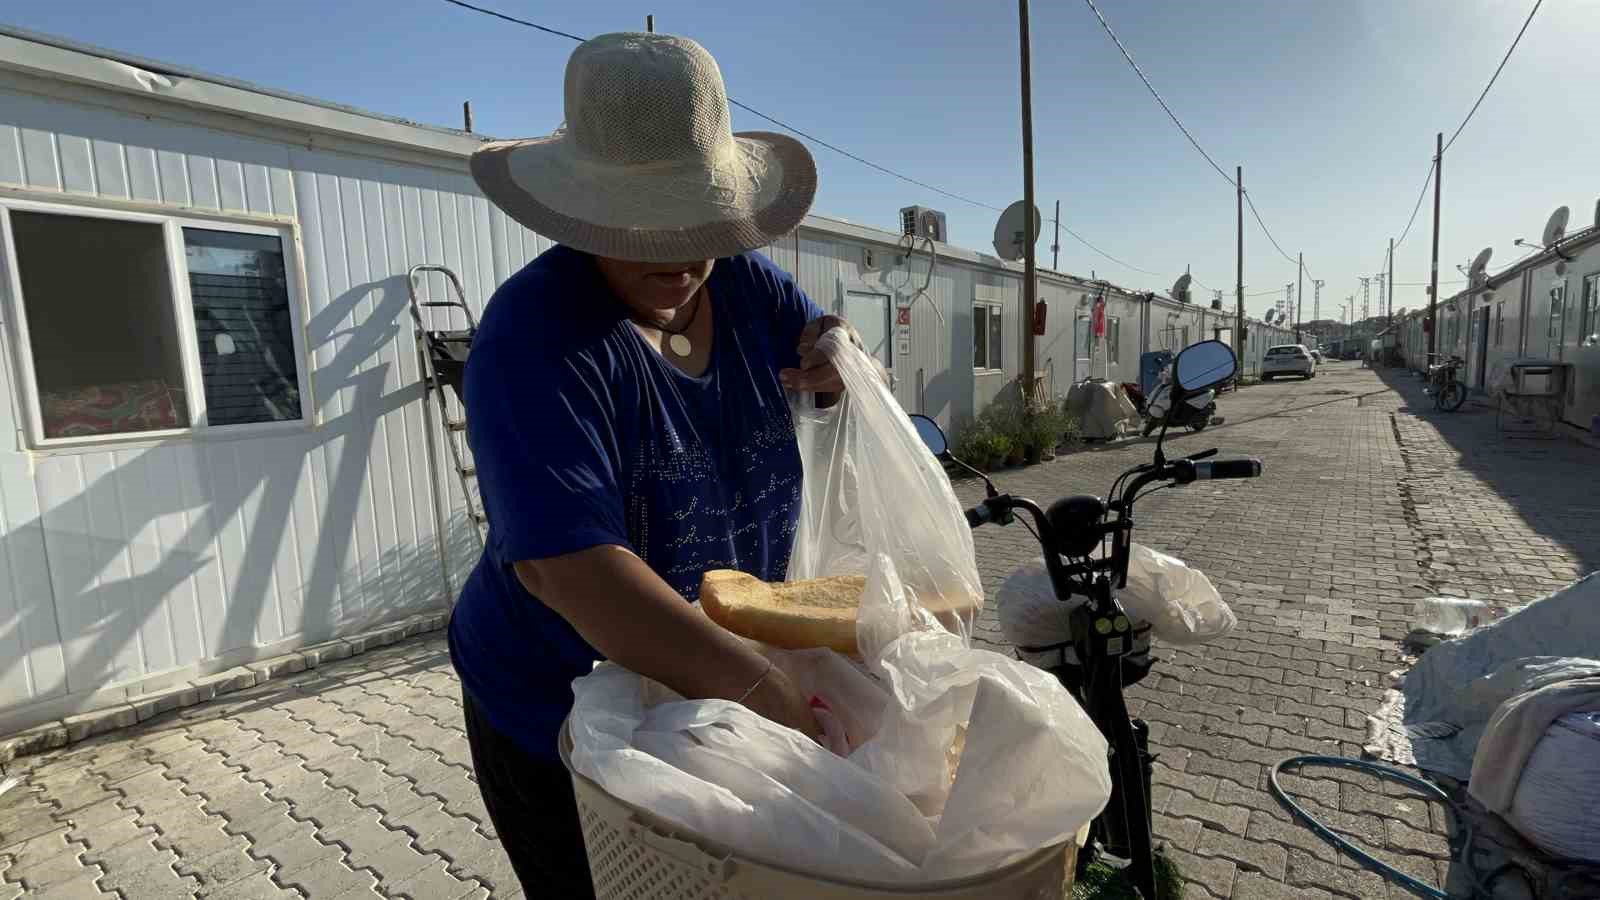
<point x="646" y="166"/>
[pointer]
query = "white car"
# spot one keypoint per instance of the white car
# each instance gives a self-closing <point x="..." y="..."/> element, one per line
<point x="1288" y="359"/>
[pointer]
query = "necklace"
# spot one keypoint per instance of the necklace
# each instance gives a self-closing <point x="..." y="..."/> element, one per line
<point x="677" y="341"/>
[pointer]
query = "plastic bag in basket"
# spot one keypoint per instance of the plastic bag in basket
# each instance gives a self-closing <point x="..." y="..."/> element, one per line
<point x="961" y="760"/>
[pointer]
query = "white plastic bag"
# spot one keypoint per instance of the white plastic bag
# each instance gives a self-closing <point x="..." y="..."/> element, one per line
<point x="876" y="502"/>
<point x="1180" y="603"/>
<point x="962" y="760"/>
<point x="1557" y="804"/>
<point x="1032" y="617"/>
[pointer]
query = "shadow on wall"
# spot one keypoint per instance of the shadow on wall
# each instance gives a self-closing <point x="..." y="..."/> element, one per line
<point x="111" y="613"/>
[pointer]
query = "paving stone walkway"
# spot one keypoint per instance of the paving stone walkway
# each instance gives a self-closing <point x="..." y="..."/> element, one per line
<point x="354" y="779"/>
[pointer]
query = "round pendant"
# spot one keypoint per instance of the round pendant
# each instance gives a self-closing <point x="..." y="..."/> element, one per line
<point x="680" y="345"/>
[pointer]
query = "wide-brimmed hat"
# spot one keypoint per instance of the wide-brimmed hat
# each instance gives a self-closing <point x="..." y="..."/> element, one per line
<point x="646" y="166"/>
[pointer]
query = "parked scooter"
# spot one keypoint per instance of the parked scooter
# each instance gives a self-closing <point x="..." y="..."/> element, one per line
<point x="1103" y="638"/>
<point x="1194" y="411"/>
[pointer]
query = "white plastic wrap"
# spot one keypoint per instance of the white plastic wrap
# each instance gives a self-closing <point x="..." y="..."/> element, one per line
<point x="962" y="760"/>
<point x="1557" y="804"/>
<point x="1180" y="603"/>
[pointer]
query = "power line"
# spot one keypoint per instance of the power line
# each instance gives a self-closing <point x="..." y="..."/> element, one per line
<point x="1503" y="61"/>
<point x="1251" y="203"/>
<point x="822" y="143"/>
<point x="514" y="19"/>
<point x="1181" y="127"/>
<point x="1156" y="94"/>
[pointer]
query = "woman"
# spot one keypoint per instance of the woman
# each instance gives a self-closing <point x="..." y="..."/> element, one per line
<point x="628" y="420"/>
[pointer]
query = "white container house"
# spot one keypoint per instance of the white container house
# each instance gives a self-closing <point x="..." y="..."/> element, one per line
<point x="215" y="448"/>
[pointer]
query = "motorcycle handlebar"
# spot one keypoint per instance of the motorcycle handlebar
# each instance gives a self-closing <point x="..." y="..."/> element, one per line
<point x="1228" y="468"/>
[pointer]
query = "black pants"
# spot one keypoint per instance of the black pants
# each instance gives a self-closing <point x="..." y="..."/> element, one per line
<point x="531" y="803"/>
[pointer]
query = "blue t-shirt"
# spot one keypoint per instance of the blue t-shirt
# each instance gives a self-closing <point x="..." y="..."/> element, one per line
<point x="583" y="435"/>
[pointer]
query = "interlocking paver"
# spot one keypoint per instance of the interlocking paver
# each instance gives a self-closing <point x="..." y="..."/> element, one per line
<point x="355" y="776"/>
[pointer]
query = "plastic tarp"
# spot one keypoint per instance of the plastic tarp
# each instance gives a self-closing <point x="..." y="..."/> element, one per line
<point x="1102" y="410"/>
<point x="1456" y="687"/>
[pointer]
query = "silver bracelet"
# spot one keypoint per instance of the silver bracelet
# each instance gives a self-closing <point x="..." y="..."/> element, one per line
<point x="752" y="689"/>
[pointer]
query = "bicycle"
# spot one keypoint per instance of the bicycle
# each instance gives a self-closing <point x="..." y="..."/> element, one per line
<point x="1444" y="384"/>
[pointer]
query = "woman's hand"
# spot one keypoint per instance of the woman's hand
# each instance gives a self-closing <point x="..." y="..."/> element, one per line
<point x="816" y="372"/>
<point x="624" y="610"/>
<point x="778" y="699"/>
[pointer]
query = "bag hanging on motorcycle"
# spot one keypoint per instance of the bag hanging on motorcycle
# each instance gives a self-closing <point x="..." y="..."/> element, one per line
<point x="1040" y="626"/>
<point x="1179" y="602"/>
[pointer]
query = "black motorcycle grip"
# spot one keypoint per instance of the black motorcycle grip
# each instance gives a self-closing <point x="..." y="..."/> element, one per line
<point x="1228" y="468"/>
<point x="977" y="515"/>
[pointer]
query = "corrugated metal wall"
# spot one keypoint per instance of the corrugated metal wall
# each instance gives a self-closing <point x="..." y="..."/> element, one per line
<point x="119" y="564"/>
<point x="138" y="565"/>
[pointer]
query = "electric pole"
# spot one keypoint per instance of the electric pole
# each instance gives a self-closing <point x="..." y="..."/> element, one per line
<point x="1316" y="298"/>
<point x="1055" y="249"/>
<point x="1433" y="276"/>
<point x="1366" y="299"/>
<point x="1030" y="286"/>
<point x="1390" y="317"/>
<point x="1299" y="297"/>
<point x="1238" y="287"/>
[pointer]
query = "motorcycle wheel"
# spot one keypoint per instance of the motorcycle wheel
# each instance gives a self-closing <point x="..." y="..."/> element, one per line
<point x="1199" y="425"/>
<point x="1452" y="396"/>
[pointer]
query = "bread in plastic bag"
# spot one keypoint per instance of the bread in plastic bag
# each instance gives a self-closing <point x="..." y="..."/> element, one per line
<point x="1179" y="602"/>
<point x="963" y="760"/>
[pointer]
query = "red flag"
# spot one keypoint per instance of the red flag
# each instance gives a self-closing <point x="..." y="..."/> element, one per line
<point x="1100" y="316"/>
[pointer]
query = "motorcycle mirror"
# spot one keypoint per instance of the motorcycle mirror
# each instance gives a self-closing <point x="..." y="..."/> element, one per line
<point x="931" y="434"/>
<point x="1203" y="365"/>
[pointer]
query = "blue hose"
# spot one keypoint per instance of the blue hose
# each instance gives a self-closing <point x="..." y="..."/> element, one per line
<point x="1389" y="873"/>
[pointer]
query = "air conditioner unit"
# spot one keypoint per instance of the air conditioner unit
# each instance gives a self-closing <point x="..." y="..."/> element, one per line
<point x="919" y="221"/>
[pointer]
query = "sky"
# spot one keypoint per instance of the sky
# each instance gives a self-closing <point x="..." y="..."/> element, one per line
<point x="1330" y="107"/>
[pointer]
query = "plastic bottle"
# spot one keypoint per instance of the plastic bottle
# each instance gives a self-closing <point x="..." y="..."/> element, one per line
<point x="1450" y="616"/>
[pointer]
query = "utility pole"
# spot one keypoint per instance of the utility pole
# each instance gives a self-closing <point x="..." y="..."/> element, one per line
<point x="1030" y="286"/>
<point x="1366" y="298"/>
<point x="650" y="24"/>
<point x="1299" y="298"/>
<point x="466" y="115"/>
<point x="1055" y="249"/>
<point x="1316" y="298"/>
<point x="1390" y="317"/>
<point x="1238" y="287"/>
<point x="1433" y="276"/>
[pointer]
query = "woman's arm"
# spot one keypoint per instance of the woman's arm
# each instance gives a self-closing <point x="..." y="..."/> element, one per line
<point x="624" y="610"/>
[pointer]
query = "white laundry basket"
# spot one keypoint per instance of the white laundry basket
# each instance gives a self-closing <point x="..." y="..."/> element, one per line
<point x="635" y="855"/>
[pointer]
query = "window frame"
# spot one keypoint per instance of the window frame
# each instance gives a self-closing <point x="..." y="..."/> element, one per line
<point x="994" y="308"/>
<point x="1499" y="324"/>
<point x="1113" y="339"/>
<point x="1589" y="317"/>
<point x="180" y="305"/>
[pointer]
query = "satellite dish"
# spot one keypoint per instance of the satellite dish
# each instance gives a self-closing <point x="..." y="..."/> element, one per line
<point x="1180" y="288"/>
<point x="1011" y="234"/>
<point x="1475" y="274"/>
<point x="1556" y="228"/>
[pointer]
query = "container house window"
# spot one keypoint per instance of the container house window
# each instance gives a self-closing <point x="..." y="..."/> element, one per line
<point x="139" y="325"/>
<point x="239" y="289"/>
<point x="988" y="337"/>
<point x="1500" y="323"/>
<point x="102" y="329"/>
<point x="1590" y="334"/>
<point x="1113" y="338"/>
<point x="1558" y="319"/>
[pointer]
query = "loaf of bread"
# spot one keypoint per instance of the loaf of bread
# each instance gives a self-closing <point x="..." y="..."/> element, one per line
<point x="796" y="615"/>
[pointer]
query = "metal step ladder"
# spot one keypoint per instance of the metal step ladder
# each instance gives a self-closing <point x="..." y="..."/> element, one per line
<point x="442" y="359"/>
